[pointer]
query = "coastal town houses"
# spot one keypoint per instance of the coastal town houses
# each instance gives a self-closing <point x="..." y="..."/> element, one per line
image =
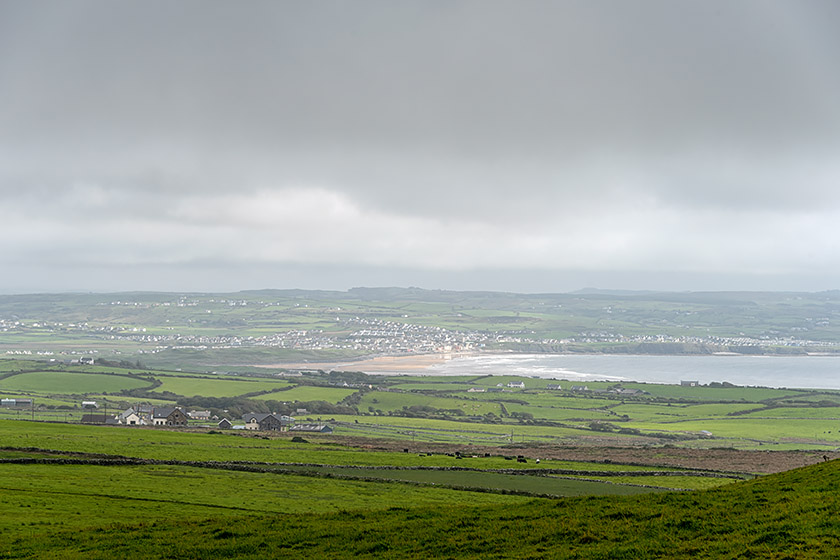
<point x="267" y="422"/>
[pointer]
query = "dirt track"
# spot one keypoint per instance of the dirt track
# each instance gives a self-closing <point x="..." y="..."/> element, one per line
<point x="732" y="460"/>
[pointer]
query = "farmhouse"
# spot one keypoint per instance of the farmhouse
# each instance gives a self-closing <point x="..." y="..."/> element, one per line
<point x="131" y="417"/>
<point x="265" y="422"/>
<point x="553" y="387"/>
<point x="89" y="404"/>
<point x="199" y="414"/>
<point x="516" y="385"/>
<point x="168" y="417"/>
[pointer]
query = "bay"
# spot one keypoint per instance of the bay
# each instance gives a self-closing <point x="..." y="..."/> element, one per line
<point x="813" y="372"/>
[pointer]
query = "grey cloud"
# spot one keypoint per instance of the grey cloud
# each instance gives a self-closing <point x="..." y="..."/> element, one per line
<point x="474" y="78"/>
<point x="536" y="116"/>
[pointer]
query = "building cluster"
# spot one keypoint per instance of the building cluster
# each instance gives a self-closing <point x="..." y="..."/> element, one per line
<point x="175" y="417"/>
<point x="274" y="422"/>
<point x="374" y="336"/>
<point x="380" y="336"/>
<point x="592" y="337"/>
<point x="146" y="415"/>
<point x="143" y="415"/>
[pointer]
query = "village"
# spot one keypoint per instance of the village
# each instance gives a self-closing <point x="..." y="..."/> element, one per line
<point x="177" y="417"/>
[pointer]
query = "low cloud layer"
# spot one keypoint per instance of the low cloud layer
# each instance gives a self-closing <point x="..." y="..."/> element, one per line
<point x="459" y="144"/>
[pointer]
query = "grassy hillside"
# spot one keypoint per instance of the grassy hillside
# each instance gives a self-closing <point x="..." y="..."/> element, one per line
<point x="791" y="515"/>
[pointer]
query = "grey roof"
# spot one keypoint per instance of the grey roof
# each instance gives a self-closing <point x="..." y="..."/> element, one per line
<point x="259" y="417"/>
<point x="310" y="428"/>
<point x="163" y="412"/>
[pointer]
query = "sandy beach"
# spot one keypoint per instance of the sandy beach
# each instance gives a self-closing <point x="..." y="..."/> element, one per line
<point x="379" y="364"/>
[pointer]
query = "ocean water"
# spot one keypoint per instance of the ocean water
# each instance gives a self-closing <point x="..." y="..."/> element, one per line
<point x="818" y="372"/>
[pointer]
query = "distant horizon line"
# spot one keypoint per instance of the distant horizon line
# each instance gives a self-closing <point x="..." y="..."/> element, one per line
<point x="581" y="291"/>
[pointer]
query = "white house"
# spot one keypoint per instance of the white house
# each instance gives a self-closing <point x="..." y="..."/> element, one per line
<point x="130" y="417"/>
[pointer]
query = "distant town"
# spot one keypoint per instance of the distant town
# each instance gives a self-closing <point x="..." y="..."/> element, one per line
<point x="274" y="326"/>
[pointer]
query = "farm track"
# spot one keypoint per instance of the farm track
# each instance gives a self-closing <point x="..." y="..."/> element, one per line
<point x="606" y="450"/>
<point x="296" y="468"/>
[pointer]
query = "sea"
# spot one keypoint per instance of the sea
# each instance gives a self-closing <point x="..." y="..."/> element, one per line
<point x="812" y="372"/>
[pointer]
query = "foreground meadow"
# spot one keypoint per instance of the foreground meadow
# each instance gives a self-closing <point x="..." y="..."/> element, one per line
<point x="789" y="515"/>
<point x="63" y="477"/>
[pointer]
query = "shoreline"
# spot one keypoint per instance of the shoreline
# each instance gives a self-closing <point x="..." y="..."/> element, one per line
<point x="377" y="364"/>
<point x="764" y="370"/>
<point x="418" y="362"/>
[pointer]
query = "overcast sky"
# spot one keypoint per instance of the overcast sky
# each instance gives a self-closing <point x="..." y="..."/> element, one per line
<point x="520" y="145"/>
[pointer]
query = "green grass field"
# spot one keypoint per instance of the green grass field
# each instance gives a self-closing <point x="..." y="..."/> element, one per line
<point x="54" y="382"/>
<point x="199" y="446"/>
<point x="305" y="393"/>
<point x="788" y="515"/>
<point x="379" y="400"/>
<point x="216" y="387"/>
<point x="298" y="479"/>
<point x="39" y="496"/>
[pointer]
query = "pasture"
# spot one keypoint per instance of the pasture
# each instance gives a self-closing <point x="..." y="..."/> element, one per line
<point x="91" y="511"/>
<point x="387" y="401"/>
<point x="68" y="382"/>
<point x="304" y="393"/>
<point x="66" y="496"/>
<point x="216" y="386"/>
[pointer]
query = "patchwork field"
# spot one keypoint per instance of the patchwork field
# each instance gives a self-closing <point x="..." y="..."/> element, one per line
<point x="434" y="410"/>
